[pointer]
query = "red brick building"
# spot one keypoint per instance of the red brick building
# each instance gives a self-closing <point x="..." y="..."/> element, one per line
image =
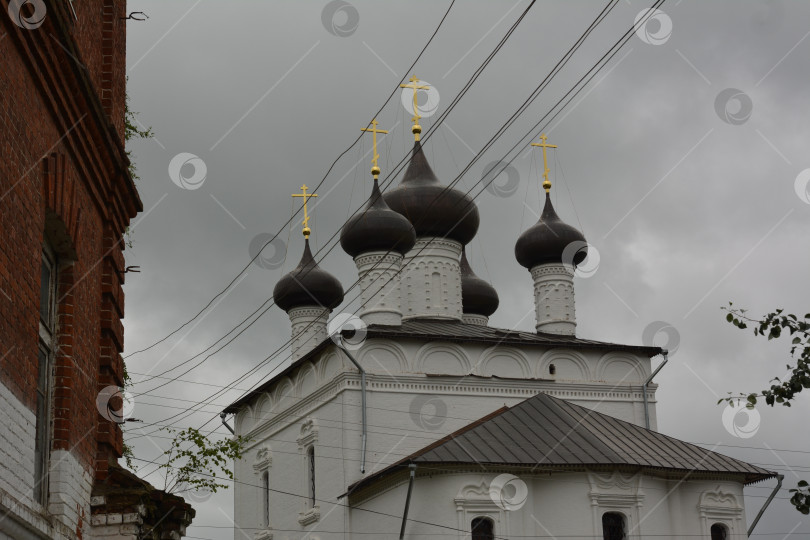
<point x="66" y="199"/>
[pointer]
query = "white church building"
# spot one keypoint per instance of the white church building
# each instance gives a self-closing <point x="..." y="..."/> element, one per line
<point x="428" y="423"/>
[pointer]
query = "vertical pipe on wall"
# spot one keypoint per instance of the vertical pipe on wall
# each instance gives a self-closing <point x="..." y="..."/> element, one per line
<point x="664" y="353"/>
<point x="363" y="397"/>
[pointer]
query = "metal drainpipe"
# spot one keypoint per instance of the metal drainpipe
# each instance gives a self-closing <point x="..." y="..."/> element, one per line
<point x="363" y="397"/>
<point x="222" y="416"/>
<point x="664" y="353"/>
<point x="779" y="478"/>
<point x="412" y="467"/>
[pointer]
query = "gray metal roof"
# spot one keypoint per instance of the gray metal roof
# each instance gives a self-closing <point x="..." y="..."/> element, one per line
<point x="444" y="330"/>
<point x="547" y="432"/>
<point x="459" y="331"/>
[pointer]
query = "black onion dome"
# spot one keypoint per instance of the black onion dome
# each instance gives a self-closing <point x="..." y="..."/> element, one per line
<point x="377" y="228"/>
<point x="546" y="240"/>
<point x="477" y="296"/>
<point x="308" y="285"/>
<point x="433" y="209"/>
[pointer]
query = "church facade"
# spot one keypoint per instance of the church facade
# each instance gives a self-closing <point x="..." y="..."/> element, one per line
<point x="419" y="420"/>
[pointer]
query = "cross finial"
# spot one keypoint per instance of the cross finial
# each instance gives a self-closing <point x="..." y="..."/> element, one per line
<point x="375" y="170"/>
<point x="306" y="197"/>
<point x="416" y="129"/>
<point x="544" y="145"/>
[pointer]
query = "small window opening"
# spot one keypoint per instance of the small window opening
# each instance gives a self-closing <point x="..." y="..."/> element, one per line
<point x="719" y="532"/>
<point x="613" y="526"/>
<point x="482" y="529"/>
<point x="311" y="475"/>
<point x="266" y="498"/>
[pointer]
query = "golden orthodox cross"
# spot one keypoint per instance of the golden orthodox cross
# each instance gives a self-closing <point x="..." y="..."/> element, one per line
<point x="416" y="129"/>
<point x="544" y="145"/>
<point x="306" y="197"/>
<point x="375" y="170"/>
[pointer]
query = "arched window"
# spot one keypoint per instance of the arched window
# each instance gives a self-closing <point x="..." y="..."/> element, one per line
<point x="311" y="475"/>
<point x="45" y="361"/>
<point x="266" y="498"/>
<point x="482" y="529"/>
<point x="719" y="532"/>
<point x="613" y="526"/>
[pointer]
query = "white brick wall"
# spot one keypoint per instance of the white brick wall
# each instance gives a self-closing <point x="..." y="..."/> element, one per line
<point x="17" y="435"/>
<point x="70" y="487"/>
<point x="116" y="526"/>
<point x="21" y="522"/>
<point x="69" y="484"/>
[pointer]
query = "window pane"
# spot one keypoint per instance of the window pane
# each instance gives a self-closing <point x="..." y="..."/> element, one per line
<point x="43" y="429"/>
<point x="266" y="497"/>
<point x="311" y="460"/>
<point x="42" y="373"/>
<point x="613" y="526"/>
<point x="719" y="532"/>
<point x="45" y="293"/>
<point x="482" y="529"/>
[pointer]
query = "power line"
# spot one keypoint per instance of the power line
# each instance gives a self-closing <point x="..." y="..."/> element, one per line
<point x="595" y="69"/>
<point x="777" y="466"/>
<point x="559" y="65"/>
<point x="452" y="105"/>
<point x="404" y="160"/>
<point x="393" y="92"/>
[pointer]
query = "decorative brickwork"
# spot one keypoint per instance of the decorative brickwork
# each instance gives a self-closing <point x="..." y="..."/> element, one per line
<point x="554" y="299"/>
<point x="431" y="280"/>
<point x="379" y="274"/>
<point x="65" y="189"/>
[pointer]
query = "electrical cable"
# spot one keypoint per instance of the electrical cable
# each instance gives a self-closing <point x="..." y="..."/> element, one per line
<point x="393" y="92"/>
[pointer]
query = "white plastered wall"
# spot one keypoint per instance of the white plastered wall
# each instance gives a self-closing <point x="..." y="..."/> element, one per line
<point x="417" y="393"/>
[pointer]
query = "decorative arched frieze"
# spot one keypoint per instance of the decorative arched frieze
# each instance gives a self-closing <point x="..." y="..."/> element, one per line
<point x="568" y="365"/>
<point x="620" y="367"/>
<point x="443" y="359"/>
<point x="283" y="394"/>
<point x="383" y="356"/>
<point x="503" y="362"/>
<point x="328" y="366"/>
<point x="306" y="380"/>
<point x="262" y="408"/>
<point x="244" y="420"/>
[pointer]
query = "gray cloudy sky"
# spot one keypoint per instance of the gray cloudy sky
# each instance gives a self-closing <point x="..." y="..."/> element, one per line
<point x="687" y="207"/>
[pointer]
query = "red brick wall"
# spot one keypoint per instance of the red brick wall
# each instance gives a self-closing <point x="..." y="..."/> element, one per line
<point x="63" y="168"/>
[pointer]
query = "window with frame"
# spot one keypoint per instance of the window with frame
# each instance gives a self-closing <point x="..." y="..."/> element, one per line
<point x="45" y="353"/>
<point x="719" y="531"/>
<point x="613" y="526"/>
<point x="482" y="528"/>
<point x="266" y="498"/>
<point x="311" y="475"/>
